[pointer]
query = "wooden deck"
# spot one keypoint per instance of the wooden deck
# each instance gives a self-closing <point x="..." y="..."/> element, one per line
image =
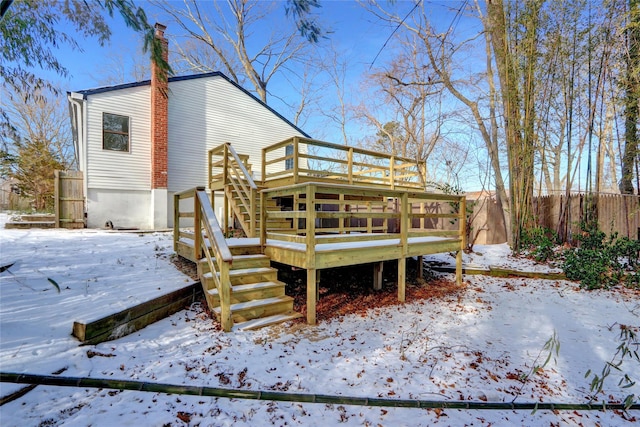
<point x="355" y="212"/>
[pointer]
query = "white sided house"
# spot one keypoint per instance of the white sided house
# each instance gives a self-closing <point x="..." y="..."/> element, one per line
<point x="139" y="143"/>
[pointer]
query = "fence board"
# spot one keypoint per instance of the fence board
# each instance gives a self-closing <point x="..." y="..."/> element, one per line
<point x="69" y="199"/>
<point x="616" y="213"/>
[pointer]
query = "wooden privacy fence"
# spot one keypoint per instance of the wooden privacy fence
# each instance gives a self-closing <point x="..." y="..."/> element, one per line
<point x="616" y="213"/>
<point x="69" y="199"/>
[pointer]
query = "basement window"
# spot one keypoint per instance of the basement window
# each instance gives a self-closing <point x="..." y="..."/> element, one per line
<point x="288" y="163"/>
<point x="115" y="132"/>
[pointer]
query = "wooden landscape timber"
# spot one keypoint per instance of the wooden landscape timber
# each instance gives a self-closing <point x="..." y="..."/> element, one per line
<point x="279" y="396"/>
<point x="501" y="272"/>
<point x="135" y="318"/>
<point x="317" y="206"/>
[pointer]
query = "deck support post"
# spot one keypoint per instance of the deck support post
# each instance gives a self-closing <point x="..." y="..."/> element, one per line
<point x="402" y="278"/>
<point x="459" y="268"/>
<point x="420" y="268"/>
<point x="405" y="208"/>
<point x="377" y="275"/>
<point x="312" y="295"/>
<point x="462" y="222"/>
<point x="310" y="240"/>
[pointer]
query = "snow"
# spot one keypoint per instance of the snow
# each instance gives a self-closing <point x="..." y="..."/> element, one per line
<point x="349" y="244"/>
<point x="471" y="345"/>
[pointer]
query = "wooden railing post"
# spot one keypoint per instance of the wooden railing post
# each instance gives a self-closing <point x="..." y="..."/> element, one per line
<point x="392" y="177"/>
<point x="217" y="253"/>
<point x="252" y="211"/>
<point x="210" y="168"/>
<point x="176" y="222"/>
<point x="312" y="285"/>
<point x="197" y="226"/>
<point x="225" y="181"/>
<point x="225" y="297"/>
<point x="342" y="221"/>
<point x="296" y="207"/>
<point x="263" y="167"/>
<point x="350" y="164"/>
<point x="404" y="242"/>
<point x="263" y="221"/>
<point x="296" y="159"/>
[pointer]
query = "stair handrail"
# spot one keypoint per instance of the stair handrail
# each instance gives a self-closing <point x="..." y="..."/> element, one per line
<point x="252" y="191"/>
<point x="216" y="251"/>
<point x="242" y="166"/>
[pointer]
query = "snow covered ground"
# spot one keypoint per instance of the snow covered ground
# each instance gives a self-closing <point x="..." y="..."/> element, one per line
<point x="473" y="345"/>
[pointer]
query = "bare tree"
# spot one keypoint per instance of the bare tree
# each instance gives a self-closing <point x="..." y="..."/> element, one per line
<point x="335" y="67"/>
<point x="222" y="36"/>
<point x="474" y="90"/>
<point x="631" y="155"/>
<point x="39" y="144"/>
<point x="126" y="64"/>
<point x="408" y="118"/>
<point x="30" y="31"/>
<point x="517" y="89"/>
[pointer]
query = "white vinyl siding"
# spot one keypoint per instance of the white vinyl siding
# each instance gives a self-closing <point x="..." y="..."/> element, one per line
<point x="130" y="170"/>
<point x="207" y="112"/>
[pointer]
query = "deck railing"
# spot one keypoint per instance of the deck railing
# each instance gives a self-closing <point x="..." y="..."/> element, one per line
<point x="206" y="238"/>
<point x="328" y="213"/>
<point x="228" y="171"/>
<point x="298" y="159"/>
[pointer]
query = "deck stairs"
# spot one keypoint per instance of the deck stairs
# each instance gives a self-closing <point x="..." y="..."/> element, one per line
<point x="232" y="173"/>
<point x="257" y="296"/>
<point x="241" y="211"/>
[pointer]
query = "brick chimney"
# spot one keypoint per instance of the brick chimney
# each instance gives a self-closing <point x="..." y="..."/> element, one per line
<point x="159" y="117"/>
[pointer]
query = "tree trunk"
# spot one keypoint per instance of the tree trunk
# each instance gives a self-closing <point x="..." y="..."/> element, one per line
<point x="519" y="133"/>
<point x="632" y="89"/>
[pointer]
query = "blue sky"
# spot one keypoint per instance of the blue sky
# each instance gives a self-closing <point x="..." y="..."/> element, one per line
<point x="358" y="35"/>
<point x="353" y="31"/>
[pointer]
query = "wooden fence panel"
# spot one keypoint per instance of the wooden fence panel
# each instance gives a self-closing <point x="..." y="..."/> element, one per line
<point x="69" y="198"/>
<point x="617" y="213"/>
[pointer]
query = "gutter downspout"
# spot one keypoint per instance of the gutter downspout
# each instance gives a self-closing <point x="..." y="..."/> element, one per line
<point x="78" y="113"/>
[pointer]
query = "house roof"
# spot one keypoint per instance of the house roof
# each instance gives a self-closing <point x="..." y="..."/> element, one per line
<point x="87" y="92"/>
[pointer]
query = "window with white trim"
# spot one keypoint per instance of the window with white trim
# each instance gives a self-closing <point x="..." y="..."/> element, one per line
<point x="288" y="163"/>
<point x="115" y="132"/>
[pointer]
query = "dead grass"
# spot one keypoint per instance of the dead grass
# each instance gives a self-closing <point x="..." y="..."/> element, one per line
<point x="349" y="290"/>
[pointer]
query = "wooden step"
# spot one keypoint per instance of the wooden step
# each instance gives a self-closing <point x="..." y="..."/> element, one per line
<point x="30" y="224"/>
<point x="239" y="262"/>
<point x="248" y="292"/>
<point x="244" y="311"/>
<point x="250" y="261"/>
<point x="245" y="249"/>
<point x="251" y="275"/>
<point x="266" y="321"/>
<point x="248" y="275"/>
